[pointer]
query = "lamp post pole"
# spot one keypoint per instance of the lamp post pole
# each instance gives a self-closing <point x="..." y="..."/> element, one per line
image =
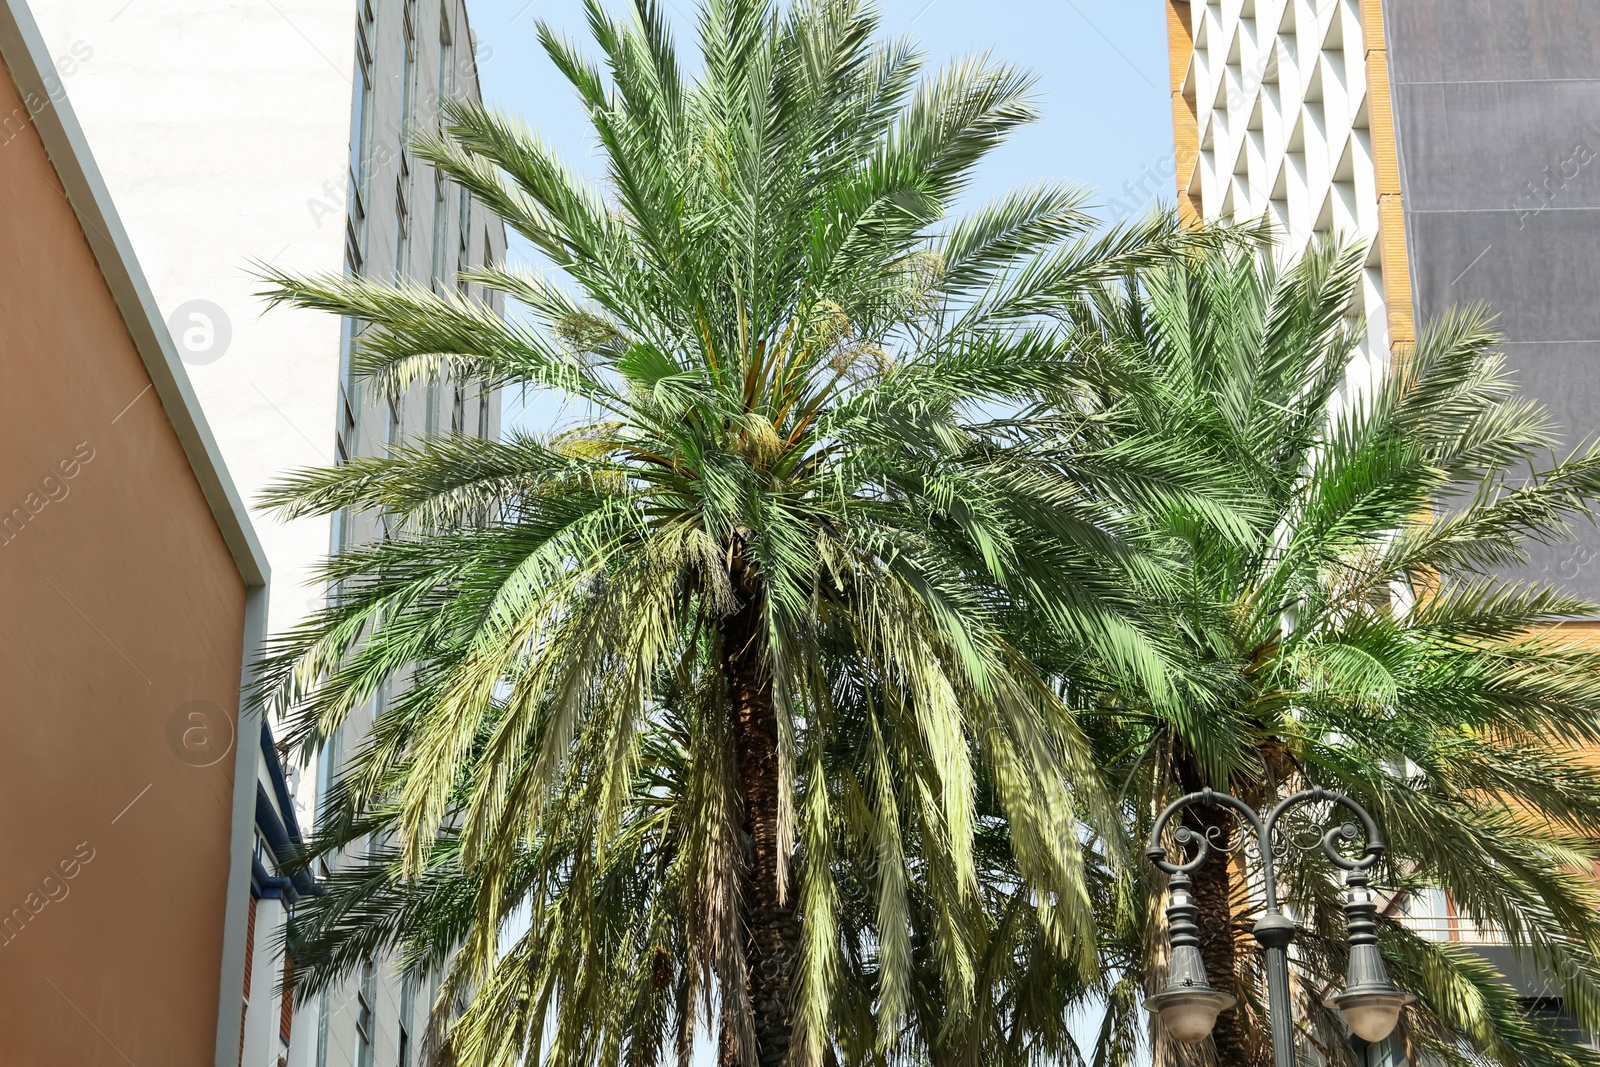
<point x="1189" y="1006"/>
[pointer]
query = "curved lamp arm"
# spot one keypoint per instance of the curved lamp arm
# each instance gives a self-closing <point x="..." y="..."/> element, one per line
<point x="1264" y="831"/>
<point x="1344" y="832"/>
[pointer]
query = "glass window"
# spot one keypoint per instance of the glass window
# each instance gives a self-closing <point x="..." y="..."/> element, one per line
<point x="441" y="231"/>
<point x="408" y="72"/>
<point x="408" y="106"/>
<point x="407" y="1009"/>
<point x="360" y="138"/>
<point x="1551" y="1015"/>
<point x="328" y="766"/>
<point x="402" y="222"/>
<point x="464" y="231"/>
<point x="341" y="530"/>
<point x="366" y="1017"/>
<point x="447" y="60"/>
<point x="492" y="299"/>
<point x="355" y="230"/>
<point x="1427" y="912"/>
<point x="1382" y="1054"/>
<point x="323" y="1006"/>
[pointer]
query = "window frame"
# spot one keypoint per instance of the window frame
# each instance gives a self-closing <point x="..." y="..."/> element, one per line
<point x="366" y="1014"/>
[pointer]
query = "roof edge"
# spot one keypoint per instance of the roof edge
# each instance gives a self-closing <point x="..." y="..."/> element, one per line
<point x="23" y="49"/>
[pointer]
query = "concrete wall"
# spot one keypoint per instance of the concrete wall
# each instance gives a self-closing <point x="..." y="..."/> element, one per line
<point x="221" y="129"/>
<point x="1271" y="105"/>
<point x="1497" y="109"/>
<point x="381" y="251"/>
<point x="120" y="645"/>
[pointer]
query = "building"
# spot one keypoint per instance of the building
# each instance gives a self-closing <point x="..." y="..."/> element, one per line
<point x="277" y="882"/>
<point x="246" y="132"/>
<point x="242" y="133"/>
<point x="1454" y="137"/>
<point x="1457" y="138"/>
<point x="135" y="603"/>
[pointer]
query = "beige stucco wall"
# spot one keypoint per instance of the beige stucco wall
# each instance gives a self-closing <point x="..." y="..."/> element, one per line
<point x="121" y="639"/>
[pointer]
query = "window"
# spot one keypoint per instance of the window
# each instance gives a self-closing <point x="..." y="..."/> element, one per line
<point x="366" y="998"/>
<point x="408" y="105"/>
<point x="463" y="255"/>
<point x="1382" y="1054"/>
<point x="1551" y="1014"/>
<point x="441" y="231"/>
<point x="328" y="765"/>
<point x="345" y="436"/>
<point x="397" y="426"/>
<point x="355" y="227"/>
<point x="1427" y="912"/>
<point x="402" y="222"/>
<point x="387" y="522"/>
<point x="458" y="409"/>
<point x="447" y="61"/>
<point x="408" y="74"/>
<point x="323" y="1006"/>
<point x="407" y="1009"/>
<point x="341" y="519"/>
<point x="360" y="145"/>
<point x="431" y="416"/>
<point x="342" y="536"/>
<point x="487" y="263"/>
<point x="484" y="392"/>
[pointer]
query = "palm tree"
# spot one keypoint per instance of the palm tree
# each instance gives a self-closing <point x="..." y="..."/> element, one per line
<point x="1355" y="634"/>
<point x="606" y="949"/>
<point x="809" y="477"/>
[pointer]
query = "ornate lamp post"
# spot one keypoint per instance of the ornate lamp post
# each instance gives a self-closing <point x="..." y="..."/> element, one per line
<point x="1189" y="1006"/>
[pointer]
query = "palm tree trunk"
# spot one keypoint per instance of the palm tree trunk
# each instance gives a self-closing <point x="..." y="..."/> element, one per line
<point x="727" y="1055"/>
<point x="769" y="919"/>
<point x="1236" y="1043"/>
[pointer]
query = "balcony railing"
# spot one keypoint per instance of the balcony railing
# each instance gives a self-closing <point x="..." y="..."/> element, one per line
<point x="1452" y="928"/>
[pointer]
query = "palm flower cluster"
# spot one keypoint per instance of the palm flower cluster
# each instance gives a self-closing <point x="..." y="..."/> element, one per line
<point x="803" y="697"/>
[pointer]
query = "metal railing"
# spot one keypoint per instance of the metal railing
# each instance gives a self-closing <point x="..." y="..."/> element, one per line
<point x="1455" y="928"/>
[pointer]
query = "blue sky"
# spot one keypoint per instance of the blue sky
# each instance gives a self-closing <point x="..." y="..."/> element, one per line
<point x="1101" y="66"/>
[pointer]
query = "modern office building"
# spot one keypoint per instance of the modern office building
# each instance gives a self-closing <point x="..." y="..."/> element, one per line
<point x="1455" y="137"/>
<point x="246" y="132"/>
<point x="1458" y="139"/>
<point x="135" y="604"/>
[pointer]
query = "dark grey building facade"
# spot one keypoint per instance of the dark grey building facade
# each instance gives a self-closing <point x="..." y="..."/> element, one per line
<point x="1497" y="128"/>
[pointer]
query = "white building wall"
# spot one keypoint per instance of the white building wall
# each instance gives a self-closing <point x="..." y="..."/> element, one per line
<point x="1280" y="88"/>
<point x="215" y="125"/>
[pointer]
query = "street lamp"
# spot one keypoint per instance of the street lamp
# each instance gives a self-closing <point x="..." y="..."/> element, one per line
<point x="1189" y="1006"/>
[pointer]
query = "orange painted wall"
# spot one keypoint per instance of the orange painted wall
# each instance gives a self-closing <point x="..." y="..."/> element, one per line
<point x="1185" y="123"/>
<point x="119" y="606"/>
